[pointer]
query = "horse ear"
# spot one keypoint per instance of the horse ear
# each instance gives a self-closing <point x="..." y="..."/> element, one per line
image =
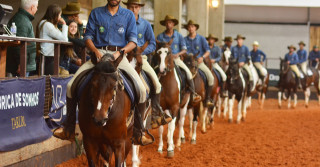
<point x="170" y="42"/>
<point x="119" y="59"/>
<point x="158" y="42"/>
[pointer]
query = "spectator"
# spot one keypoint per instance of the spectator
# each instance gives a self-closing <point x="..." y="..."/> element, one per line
<point x="23" y="19"/>
<point x="48" y="30"/>
<point x="71" y="13"/>
<point x="314" y="56"/>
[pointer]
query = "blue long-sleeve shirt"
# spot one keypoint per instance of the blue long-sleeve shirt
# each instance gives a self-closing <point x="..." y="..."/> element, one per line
<point x="197" y="45"/>
<point x="241" y="53"/>
<point x="302" y="55"/>
<point x="107" y="30"/>
<point x="256" y="56"/>
<point x="178" y="42"/>
<point x="312" y="57"/>
<point x="215" y="53"/>
<point x="293" y="58"/>
<point x="145" y="34"/>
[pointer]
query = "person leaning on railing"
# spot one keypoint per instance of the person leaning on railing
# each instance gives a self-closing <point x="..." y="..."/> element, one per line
<point x="23" y="19"/>
<point x="48" y="29"/>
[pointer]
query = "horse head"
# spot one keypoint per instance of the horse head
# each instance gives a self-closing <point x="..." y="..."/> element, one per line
<point x="135" y="57"/>
<point x="104" y="84"/>
<point x="163" y="54"/>
<point x="227" y="55"/>
<point x="233" y="70"/>
<point x="284" y="66"/>
<point x="191" y="61"/>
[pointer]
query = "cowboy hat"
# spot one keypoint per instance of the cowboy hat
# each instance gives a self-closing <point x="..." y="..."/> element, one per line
<point x="255" y="43"/>
<point x="301" y="43"/>
<point x="191" y="22"/>
<point x="315" y="46"/>
<point x="72" y="8"/>
<point x="240" y="36"/>
<point x="138" y="2"/>
<point x="291" y="46"/>
<point x="211" y="36"/>
<point x="227" y="39"/>
<point x="167" y="18"/>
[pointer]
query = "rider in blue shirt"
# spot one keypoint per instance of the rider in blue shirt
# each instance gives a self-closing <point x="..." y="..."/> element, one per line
<point x="314" y="56"/>
<point x="178" y="47"/>
<point x="197" y="44"/>
<point x="145" y="34"/>
<point x="242" y="54"/>
<point x="257" y="60"/>
<point x="293" y="59"/>
<point x="110" y="29"/>
<point x="303" y="57"/>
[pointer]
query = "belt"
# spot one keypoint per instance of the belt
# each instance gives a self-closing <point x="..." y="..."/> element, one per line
<point x="111" y="48"/>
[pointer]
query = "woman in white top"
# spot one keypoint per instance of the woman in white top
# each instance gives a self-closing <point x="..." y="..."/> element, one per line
<point x="48" y="30"/>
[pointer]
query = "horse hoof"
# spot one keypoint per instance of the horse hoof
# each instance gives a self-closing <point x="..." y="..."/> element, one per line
<point x="160" y="151"/>
<point x="243" y="119"/>
<point x="193" y="141"/>
<point x="238" y="121"/>
<point x="279" y="106"/>
<point x="203" y="131"/>
<point x="170" y="154"/>
<point x="183" y="140"/>
<point x="230" y="120"/>
<point x="306" y="106"/>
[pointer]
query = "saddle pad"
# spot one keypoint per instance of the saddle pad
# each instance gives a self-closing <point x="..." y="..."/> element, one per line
<point x="203" y="76"/>
<point x="309" y="72"/>
<point x="182" y="76"/>
<point x="127" y="85"/>
<point x="147" y="80"/>
<point x="218" y="75"/>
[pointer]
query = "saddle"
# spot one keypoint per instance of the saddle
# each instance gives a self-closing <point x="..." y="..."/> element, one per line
<point x="218" y="76"/>
<point x="204" y="77"/>
<point x="146" y="78"/>
<point x="182" y="76"/>
<point x="130" y="85"/>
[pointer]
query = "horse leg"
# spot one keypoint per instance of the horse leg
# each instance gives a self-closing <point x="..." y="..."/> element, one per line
<point x="295" y="100"/>
<point x="239" y="109"/>
<point x="306" y="97"/>
<point x="183" y="113"/>
<point x="279" y="99"/>
<point x="225" y="107"/>
<point x="262" y="100"/>
<point x="190" y="121"/>
<point x="204" y="116"/>
<point x="230" y="110"/>
<point x="259" y="98"/>
<point x="289" y="99"/>
<point x="219" y="107"/>
<point x="135" y="156"/>
<point x="119" y="154"/>
<point x="91" y="149"/>
<point x="160" y="139"/>
<point x="171" y="128"/>
<point x="249" y="102"/>
<point x="194" y="134"/>
<point x="244" y="109"/>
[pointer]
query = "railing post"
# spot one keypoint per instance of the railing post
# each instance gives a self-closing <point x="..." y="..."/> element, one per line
<point x="23" y="59"/>
<point x="56" y="59"/>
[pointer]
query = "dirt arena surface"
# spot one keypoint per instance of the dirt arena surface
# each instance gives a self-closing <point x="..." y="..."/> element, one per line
<point x="269" y="137"/>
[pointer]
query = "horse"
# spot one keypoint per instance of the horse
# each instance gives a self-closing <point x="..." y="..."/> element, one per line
<point x="170" y="94"/>
<point x="104" y="111"/>
<point x="135" y="59"/>
<point x="312" y="77"/>
<point x="237" y="85"/>
<point x="195" y="109"/>
<point x="287" y="83"/>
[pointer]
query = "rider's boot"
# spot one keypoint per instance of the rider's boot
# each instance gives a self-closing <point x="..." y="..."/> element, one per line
<point x="67" y="132"/>
<point x="158" y="116"/>
<point x="195" y="97"/>
<point x="139" y="137"/>
<point x="208" y="99"/>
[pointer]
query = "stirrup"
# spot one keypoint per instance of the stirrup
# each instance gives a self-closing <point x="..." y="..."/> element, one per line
<point x="64" y="135"/>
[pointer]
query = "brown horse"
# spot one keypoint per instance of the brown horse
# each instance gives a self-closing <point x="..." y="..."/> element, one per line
<point x="104" y="111"/>
<point x="312" y="77"/>
<point x="170" y="94"/>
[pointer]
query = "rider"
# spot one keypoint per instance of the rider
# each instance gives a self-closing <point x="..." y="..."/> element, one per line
<point x="257" y="60"/>
<point x="178" y="47"/>
<point x="215" y="56"/>
<point x="198" y="44"/>
<point x="145" y="33"/>
<point x="314" y="56"/>
<point x="110" y="29"/>
<point x="303" y="57"/>
<point x="242" y="54"/>
<point x="293" y="59"/>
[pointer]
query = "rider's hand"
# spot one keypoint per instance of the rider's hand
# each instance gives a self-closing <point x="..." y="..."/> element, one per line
<point x="241" y="64"/>
<point x="213" y="61"/>
<point x="116" y="55"/>
<point x="78" y="62"/>
<point x="62" y="21"/>
<point x="98" y="55"/>
<point x="317" y="59"/>
<point x="77" y="19"/>
<point x="288" y="62"/>
<point x="200" y="60"/>
<point x="261" y="63"/>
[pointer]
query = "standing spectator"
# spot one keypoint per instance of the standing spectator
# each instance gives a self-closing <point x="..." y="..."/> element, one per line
<point x="314" y="56"/>
<point x="23" y="19"/>
<point x="48" y="30"/>
<point x="71" y="13"/>
<point x="303" y="57"/>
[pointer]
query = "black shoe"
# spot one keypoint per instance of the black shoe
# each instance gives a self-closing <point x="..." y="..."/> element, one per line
<point x="195" y="97"/>
<point x="67" y="132"/>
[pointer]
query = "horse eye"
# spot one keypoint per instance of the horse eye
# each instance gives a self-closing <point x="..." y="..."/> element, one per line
<point x="166" y="51"/>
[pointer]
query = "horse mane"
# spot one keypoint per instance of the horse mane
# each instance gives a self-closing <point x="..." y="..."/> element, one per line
<point x="105" y="67"/>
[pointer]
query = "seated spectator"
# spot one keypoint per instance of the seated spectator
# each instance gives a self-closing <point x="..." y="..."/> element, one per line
<point x="48" y="30"/>
<point x="23" y="19"/>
